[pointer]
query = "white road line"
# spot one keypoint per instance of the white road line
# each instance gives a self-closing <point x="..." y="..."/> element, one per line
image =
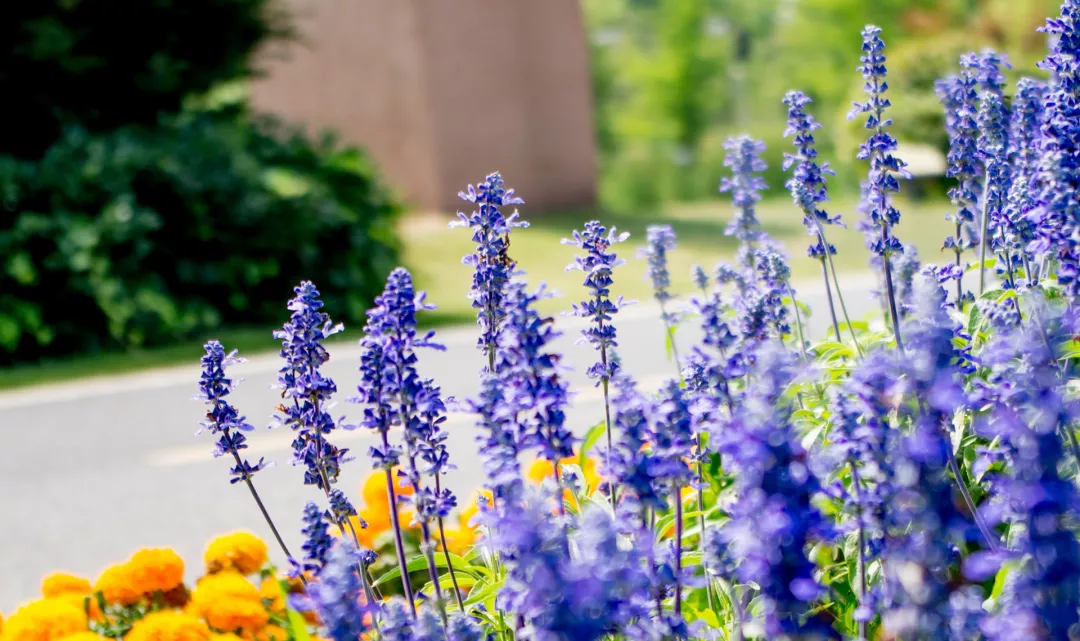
<point x="281" y="440"/>
<point x="188" y="375"/>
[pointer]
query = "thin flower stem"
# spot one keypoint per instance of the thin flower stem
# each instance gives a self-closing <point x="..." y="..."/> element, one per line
<point x="446" y="551"/>
<point x="828" y="296"/>
<point x="982" y="245"/>
<point x="266" y="516"/>
<point x="670" y="329"/>
<point x="678" y="549"/>
<point x="890" y="292"/>
<point x="860" y="566"/>
<point x="959" y="281"/>
<point x="701" y="517"/>
<point x="399" y="543"/>
<point x="836" y="282"/>
<point x="605" y="383"/>
<point x="954" y="466"/>
<point x="429" y="555"/>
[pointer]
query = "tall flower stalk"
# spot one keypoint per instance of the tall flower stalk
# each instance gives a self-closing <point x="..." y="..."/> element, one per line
<point x="491" y="262"/>
<point x="993" y="146"/>
<point x="960" y="98"/>
<point x="661" y="240"/>
<point x="225" y="422"/>
<point x="399" y="331"/>
<point x="808" y="188"/>
<point x="598" y="263"/>
<point x="745" y="185"/>
<point x="878" y="149"/>
<point x="1025" y="139"/>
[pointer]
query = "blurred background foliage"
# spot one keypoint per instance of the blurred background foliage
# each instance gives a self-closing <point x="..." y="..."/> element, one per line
<point x="673" y="78"/>
<point x="142" y="202"/>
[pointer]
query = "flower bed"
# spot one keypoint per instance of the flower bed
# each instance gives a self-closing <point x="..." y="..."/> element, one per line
<point x="910" y="481"/>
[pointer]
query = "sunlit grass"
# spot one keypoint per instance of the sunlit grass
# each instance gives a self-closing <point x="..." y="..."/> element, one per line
<point x="434" y="252"/>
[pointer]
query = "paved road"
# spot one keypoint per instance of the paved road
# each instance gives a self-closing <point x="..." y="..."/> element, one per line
<point x="92" y="470"/>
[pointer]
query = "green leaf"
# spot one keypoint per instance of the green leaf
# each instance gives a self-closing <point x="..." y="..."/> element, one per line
<point x="591" y="437"/>
<point x="420" y="563"/>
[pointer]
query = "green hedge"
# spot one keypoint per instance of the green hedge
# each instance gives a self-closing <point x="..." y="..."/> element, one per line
<point x="145" y="235"/>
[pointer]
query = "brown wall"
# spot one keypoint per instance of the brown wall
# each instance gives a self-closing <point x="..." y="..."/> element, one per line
<point x="442" y="92"/>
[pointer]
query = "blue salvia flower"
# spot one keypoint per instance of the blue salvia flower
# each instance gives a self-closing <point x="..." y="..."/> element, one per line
<point x="661" y="240"/>
<point x="905" y="265"/>
<point x="222" y="419"/>
<point x="879" y="147"/>
<point x="628" y="464"/>
<point x="700" y="278"/>
<point x="492" y="266"/>
<point x="991" y="77"/>
<point x="1030" y="407"/>
<point x="462" y="627"/>
<point x="397" y="624"/>
<point x="745" y="185"/>
<point x="317" y="539"/>
<point x="337" y="595"/>
<point x="994" y="151"/>
<point x="538" y="393"/>
<point x="307" y="392"/>
<point x="672" y="439"/>
<point x="598" y="264"/>
<point x="428" y="627"/>
<point x="1057" y="218"/>
<point x="808" y="182"/>
<point x="1025" y="139"/>
<point x="586" y="596"/>
<point x="431" y="444"/>
<point x="497" y="419"/>
<point x="340" y="507"/>
<point x="960" y="98"/>
<point x="884" y="166"/>
<point x="773" y="520"/>
<point x="377" y="390"/>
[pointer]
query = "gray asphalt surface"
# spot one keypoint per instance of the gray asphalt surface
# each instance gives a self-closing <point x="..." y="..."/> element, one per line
<point x="91" y="471"/>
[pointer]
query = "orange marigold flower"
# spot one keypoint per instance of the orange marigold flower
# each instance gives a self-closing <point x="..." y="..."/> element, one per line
<point x="61" y="583"/>
<point x="273" y="633"/>
<point x="241" y="551"/>
<point x="228" y="601"/>
<point x="117" y="585"/>
<point x="83" y="636"/>
<point x="45" y="620"/>
<point x="156" y="570"/>
<point x="224" y="636"/>
<point x="167" y="625"/>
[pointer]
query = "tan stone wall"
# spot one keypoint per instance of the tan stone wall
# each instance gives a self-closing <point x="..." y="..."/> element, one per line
<point x="442" y="92"/>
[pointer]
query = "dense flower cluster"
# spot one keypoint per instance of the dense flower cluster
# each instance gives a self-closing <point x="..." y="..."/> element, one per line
<point x="917" y="484"/>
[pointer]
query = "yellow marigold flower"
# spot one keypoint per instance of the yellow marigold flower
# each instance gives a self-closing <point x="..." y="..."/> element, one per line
<point x="117" y="585"/>
<point x="45" y="620"/>
<point x="241" y="551"/>
<point x="224" y="636"/>
<point x="473" y="506"/>
<point x="374" y="489"/>
<point x="81" y="601"/>
<point x="458" y="540"/>
<point x="228" y="601"/>
<point x="167" y="625"/>
<point x="270" y="591"/>
<point x="156" y="569"/>
<point x="61" y="583"/>
<point x="83" y="636"/>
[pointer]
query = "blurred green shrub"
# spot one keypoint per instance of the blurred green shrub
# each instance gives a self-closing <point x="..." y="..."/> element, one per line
<point x="103" y="65"/>
<point x="147" y="234"/>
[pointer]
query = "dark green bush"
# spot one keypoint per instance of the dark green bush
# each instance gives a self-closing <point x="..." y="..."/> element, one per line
<point x="107" y="64"/>
<point x="148" y="234"/>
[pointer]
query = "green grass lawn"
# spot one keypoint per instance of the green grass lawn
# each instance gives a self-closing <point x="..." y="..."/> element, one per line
<point x="434" y="254"/>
